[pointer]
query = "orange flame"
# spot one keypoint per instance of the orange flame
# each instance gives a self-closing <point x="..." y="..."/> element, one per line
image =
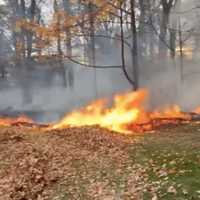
<point x="126" y="115"/>
<point x="6" y="121"/>
<point x="127" y="110"/>
<point x="197" y="110"/>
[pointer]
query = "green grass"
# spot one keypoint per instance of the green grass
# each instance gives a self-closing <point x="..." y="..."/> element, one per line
<point x="172" y="159"/>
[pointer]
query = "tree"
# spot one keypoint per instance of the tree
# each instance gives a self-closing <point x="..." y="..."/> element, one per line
<point x="134" y="45"/>
<point x="166" y="8"/>
<point x="147" y="31"/>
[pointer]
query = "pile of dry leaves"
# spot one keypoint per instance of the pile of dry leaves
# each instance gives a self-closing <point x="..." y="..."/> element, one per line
<point x="77" y="163"/>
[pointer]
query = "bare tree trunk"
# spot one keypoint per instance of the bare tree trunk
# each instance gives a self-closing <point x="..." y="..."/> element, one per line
<point x="59" y="48"/>
<point x="67" y="8"/>
<point x="134" y="46"/>
<point x="163" y="34"/>
<point x="30" y="34"/>
<point x="122" y="42"/>
<point x="173" y="28"/>
<point x="173" y="40"/>
<point x="123" y="50"/>
<point x="15" y="32"/>
<point x="22" y="41"/>
<point x="181" y="51"/>
<point x="92" y="50"/>
<point x="142" y="28"/>
<point x="70" y="72"/>
<point x="166" y="8"/>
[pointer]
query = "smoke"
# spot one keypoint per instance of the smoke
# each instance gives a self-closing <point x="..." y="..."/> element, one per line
<point x="46" y="99"/>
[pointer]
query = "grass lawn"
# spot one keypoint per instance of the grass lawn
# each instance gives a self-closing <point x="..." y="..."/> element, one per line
<point x="172" y="160"/>
<point x="93" y="163"/>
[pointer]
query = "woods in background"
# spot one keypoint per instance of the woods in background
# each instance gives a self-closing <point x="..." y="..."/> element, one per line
<point x="134" y="33"/>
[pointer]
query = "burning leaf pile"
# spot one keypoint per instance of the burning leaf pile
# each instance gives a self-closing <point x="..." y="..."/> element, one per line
<point x="82" y="157"/>
<point x="21" y="120"/>
<point x="125" y="116"/>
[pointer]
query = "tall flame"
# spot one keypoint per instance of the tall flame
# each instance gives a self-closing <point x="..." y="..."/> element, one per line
<point x="127" y="110"/>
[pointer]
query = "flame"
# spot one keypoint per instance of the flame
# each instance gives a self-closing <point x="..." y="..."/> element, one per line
<point x="126" y="112"/>
<point x="6" y="121"/>
<point x="197" y="110"/>
<point x="126" y="115"/>
<point x="170" y="112"/>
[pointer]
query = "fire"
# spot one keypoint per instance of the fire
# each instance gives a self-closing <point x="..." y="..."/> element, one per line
<point x="170" y="112"/>
<point x="126" y="115"/>
<point x="6" y="121"/>
<point x="128" y="110"/>
<point x="197" y="110"/>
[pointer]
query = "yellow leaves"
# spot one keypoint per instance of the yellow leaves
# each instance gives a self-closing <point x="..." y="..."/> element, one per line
<point x="70" y="21"/>
<point x="24" y="24"/>
<point x="63" y="21"/>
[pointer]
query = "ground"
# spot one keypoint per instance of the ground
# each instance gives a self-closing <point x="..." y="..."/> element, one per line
<point x="93" y="163"/>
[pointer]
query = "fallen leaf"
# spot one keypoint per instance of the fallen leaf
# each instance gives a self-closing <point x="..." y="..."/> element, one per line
<point x="172" y="190"/>
<point x="185" y="192"/>
<point x="155" y="197"/>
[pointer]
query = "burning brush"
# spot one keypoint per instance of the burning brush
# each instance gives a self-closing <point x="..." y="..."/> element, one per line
<point x="127" y="115"/>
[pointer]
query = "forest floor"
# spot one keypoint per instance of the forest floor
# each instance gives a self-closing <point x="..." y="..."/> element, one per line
<point x="91" y="163"/>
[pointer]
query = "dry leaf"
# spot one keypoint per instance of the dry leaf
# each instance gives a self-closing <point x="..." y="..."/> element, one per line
<point x="172" y="190"/>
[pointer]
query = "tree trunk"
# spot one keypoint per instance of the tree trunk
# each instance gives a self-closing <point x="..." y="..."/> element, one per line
<point x="68" y="35"/>
<point x="123" y="49"/>
<point x="174" y="27"/>
<point x="181" y="51"/>
<point x="142" y="27"/>
<point x="67" y="8"/>
<point x="163" y="34"/>
<point x="22" y="35"/>
<point x="30" y="34"/>
<point x="59" y="48"/>
<point x="92" y="50"/>
<point x="134" y="46"/>
<point x="166" y="8"/>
